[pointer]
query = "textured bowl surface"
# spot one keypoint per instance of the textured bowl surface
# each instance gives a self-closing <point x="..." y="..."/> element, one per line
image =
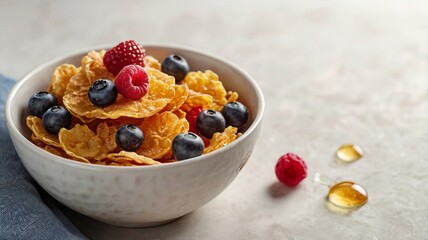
<point x="145" y="195"/>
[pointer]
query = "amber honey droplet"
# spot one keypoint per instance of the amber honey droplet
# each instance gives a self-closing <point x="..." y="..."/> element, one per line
<point x="347" y="195"/>
<point x="349" y="153"/>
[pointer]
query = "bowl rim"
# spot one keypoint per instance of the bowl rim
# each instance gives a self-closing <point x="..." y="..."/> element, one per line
<point x="13" y="129"/>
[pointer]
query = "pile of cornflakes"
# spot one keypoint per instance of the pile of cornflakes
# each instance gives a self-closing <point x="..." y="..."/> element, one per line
<point x="161" y="114"/>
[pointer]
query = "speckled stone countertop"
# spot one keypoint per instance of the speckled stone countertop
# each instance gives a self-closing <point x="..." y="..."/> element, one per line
<point x="332" y="73"/>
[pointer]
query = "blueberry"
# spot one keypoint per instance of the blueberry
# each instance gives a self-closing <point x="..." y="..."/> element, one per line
<point x="129" y="137"/>
<point x="209" y="122"/>
<point x="40" y="102"/>
<point x="235" y="114"/>
<point x="55" y="118"/>
<point x="102" y="93"/>
<point x="187" y="145"/>
<point x="175" y="65"/>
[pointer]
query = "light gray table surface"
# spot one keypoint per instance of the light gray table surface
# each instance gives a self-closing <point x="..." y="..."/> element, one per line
<point x="332" y="72"/>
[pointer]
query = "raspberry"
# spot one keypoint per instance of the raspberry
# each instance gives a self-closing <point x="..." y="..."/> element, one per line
<point x="206" y="141"/>
<point x="123" y="54"/>
<point x="191" y="117"/>
<point x="290" y="169"/>
<point x="132" y="82"/>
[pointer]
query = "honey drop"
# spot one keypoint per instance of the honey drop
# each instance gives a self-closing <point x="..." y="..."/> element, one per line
<point x="349" y="153"/>
<point x="347" y="195"/>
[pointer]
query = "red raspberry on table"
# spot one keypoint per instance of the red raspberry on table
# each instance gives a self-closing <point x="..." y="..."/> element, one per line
<point x="123" y="54"/>
<point x="291" y="169"/>
<point x="132" y="82"/>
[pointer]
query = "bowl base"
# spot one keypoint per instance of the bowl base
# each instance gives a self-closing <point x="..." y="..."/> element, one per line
<point x="139" y="225"/>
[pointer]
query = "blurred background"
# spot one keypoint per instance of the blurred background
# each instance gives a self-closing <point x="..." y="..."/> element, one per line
<point x="332" y="72"/>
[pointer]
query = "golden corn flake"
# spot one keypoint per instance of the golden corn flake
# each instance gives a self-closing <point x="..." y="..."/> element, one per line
<point x="39" y="132"/>
<point x="159" y="131"/>
<point x="107" y="135"/>
<point x="101" y="162"/>
<point x="93" y="66"/>
<point x="232" y="96"/>
<point x="56" y="151"/>
<point x="80" y="142"/>
<point x="93" y="125"/>
<point x="160" y="92"/>
<point x="125" y="163"/>
<point x="181" y="94"/>
<point x="152" y="62"/>
<point x="77" y="84"/>
<point x="37" y="141"/>
<point x="121" y="162"/>
<point x="160" y="76"/>
<point x="126" y="157"/>
<point x="197" y="99"/>
<point x="180" y="113"/>
<point x="220" y="140"/>
<point x="207" y="82"/>
<point x="125" y="120"/>
<point x="60" y="79"/>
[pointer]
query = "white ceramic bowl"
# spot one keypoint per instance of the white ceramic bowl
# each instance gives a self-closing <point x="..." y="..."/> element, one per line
<point x="143" y="195"/>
